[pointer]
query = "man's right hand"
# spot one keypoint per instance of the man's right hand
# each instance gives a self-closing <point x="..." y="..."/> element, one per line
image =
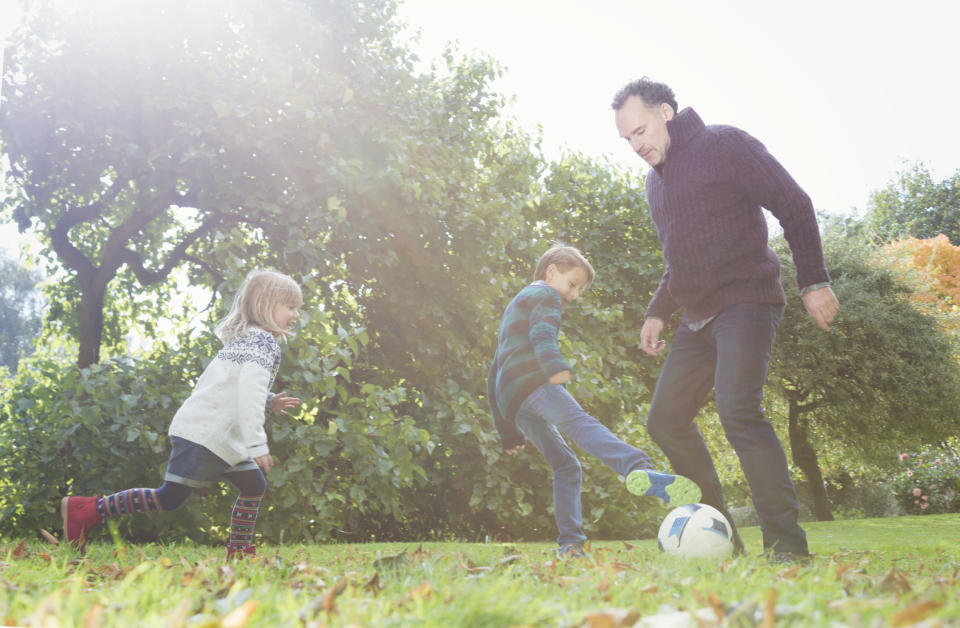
<point x="650" y="336"/>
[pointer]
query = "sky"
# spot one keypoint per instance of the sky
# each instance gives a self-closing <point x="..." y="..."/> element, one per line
<point x="844" y="93"/>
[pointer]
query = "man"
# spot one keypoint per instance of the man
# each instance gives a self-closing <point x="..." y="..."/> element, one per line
<point x="705" y="189"/>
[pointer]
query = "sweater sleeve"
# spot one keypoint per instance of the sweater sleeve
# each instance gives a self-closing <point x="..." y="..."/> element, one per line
<point x="544" y="330"/>
<point x="510" y="436"/>
<point x="253" y="388"/>
<point x="767" y="183"/>
<point x="662" y="304"/>
<point x="255" y="378"/>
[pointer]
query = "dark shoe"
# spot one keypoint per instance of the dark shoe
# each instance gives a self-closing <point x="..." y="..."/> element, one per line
<point x="670" y="489"/>
<point x="79" y="516"/>
<point x="788" y="558"/>
<point x="571" y="550"/>
<point x="241" y="552"/>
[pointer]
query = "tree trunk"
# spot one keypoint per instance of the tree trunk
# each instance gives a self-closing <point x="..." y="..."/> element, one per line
<point x="805" y="457"/>
<point x="90" y="324"/>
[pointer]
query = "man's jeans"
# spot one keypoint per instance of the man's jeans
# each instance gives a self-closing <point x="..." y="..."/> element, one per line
<point x="546" y="414"/>
<point x="729" y="355"/>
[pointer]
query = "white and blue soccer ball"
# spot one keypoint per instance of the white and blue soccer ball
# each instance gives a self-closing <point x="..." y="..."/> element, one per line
<point x="696" y="531"/>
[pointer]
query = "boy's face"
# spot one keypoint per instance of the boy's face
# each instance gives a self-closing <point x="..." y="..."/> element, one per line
<point x="568" y="283"/>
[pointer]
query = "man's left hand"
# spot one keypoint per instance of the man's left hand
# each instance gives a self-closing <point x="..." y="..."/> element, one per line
<point x="822" y="305"/>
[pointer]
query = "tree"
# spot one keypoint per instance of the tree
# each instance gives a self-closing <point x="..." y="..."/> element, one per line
<point x="21" y="309"/>
<point x="885" y="374"/>
<point x="933" y="264"/>
<point x="141" y="134"/>
<point x="915" y="205"/>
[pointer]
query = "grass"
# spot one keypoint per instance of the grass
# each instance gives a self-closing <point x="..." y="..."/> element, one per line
<point x="874" y="572"/>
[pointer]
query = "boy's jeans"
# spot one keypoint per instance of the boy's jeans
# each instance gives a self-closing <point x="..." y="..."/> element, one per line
<point x="729" y="355"/>
<point x="546" y="414"/>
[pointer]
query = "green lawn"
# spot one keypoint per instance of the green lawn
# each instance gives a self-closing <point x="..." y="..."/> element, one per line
<point x="874" y="572"/>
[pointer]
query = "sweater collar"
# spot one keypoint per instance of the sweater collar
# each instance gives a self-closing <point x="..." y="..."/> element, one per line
<point x="682" y="128"/>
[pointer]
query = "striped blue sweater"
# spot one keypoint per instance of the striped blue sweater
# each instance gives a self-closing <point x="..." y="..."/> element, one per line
<point x="527" y="355"/>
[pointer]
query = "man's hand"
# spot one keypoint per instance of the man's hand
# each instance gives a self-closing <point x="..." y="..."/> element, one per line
<point x="515" y="450"/>
<point x="560" y="377"/>
<point x="650" y="336"/>
<point x="281" y="403"/>
<point x="265" y="462"/>
<point x="822" y="305"/>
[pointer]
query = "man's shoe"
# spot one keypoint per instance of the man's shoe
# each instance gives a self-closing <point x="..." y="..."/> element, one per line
<point x="670" y="489"/>
<point x="788" y="558"/>
<point x="571" y="550"/>
<point x="79" y="516"/>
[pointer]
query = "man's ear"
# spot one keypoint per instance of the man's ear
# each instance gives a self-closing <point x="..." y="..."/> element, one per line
<point x="667" y="111"/>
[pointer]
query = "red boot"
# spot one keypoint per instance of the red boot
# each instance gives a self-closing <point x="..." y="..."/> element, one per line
<point x="241" y="552"/>
<point x="79" y="517"/>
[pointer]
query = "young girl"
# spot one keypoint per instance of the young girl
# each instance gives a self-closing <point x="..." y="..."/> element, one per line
<point x="218" y="431"/>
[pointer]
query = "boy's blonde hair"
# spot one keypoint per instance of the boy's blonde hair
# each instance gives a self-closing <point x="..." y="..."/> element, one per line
<point x="261" y="291"/>
<point x="565" y="257"/>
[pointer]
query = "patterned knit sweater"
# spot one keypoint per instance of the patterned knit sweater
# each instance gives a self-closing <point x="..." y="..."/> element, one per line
<point x="527" y="355"/>
<point x="706" y="199"/>
<point x="226" y="411"/>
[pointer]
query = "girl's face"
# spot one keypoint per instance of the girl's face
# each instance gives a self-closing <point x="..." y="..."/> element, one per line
<point x="285" y="315"/>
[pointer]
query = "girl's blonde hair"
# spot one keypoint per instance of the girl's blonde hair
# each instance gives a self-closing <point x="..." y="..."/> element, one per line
<point x="261" y="291"/>
<point x="565" y="257"/>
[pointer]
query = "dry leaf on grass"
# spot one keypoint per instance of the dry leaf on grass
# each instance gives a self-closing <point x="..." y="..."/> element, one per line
<point x="238" y="617"/>
<point x="914" y="613"/>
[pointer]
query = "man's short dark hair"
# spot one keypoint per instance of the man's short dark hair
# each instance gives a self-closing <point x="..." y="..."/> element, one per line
<point x="651" y="92"/>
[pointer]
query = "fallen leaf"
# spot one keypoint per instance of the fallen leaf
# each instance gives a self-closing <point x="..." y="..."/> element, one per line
<point x="717" y="605"/>
<point x="421" y="592"/>
<point x="790" y="573"/>
<point x="417" y="557"/>
<point x="770" y="610"/>
<point x="373" y="584"/>
<point x="50" y="538"/>
<point x="894" y="581"/>
<point x="612" y="618"/>
<point x="329" y="598"/>
<point x="238" y="617"/>
<point x="91" y="618"/>
<point x="913" y="614"/>
<point x="627" y="545"/>
<point x="21" y="551"/>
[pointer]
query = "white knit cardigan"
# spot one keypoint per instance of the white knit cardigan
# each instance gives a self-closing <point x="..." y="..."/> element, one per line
<point x="226" y="411"/>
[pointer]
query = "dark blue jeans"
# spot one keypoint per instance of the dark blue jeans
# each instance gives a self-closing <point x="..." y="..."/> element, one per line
<point x="547" y="413"/>
<point x="729" y="355"/>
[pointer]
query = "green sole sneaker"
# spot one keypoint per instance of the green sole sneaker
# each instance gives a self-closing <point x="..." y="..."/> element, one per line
<point x="670" y="489"/>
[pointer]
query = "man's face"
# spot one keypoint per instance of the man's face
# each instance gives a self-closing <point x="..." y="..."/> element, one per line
<point x="645" y="127"/>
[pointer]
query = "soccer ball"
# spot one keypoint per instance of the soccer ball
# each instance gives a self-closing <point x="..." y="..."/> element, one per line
<point x="696" y="531"/>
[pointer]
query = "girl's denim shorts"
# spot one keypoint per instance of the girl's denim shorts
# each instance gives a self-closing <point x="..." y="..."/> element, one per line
<point x="195" y="465"/>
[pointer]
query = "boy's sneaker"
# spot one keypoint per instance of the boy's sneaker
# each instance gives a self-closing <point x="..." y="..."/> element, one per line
<point x="571" y="550"/>
<point x="79" y="517"/>
<point x="241" y="552"/>
<point x="669" y="489"/>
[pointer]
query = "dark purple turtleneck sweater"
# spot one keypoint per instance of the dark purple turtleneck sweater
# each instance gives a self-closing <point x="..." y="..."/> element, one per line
<point x="706" y="199"/>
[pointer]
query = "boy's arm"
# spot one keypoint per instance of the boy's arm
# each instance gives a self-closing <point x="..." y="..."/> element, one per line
<point x="544" y="329"/>
<point x="510" y="436"/>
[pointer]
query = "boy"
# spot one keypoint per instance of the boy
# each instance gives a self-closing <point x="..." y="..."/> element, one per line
<point x="529" y="402"/>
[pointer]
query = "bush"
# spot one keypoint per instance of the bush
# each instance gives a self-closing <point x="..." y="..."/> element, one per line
<point x="929" y="481"/>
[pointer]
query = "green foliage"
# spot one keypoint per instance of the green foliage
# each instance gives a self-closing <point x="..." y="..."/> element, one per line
<point x="928" y="481"/>
<point x="20" y="312"/>
<point x="881" y="361"/>
<point x="914" y="205"/>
